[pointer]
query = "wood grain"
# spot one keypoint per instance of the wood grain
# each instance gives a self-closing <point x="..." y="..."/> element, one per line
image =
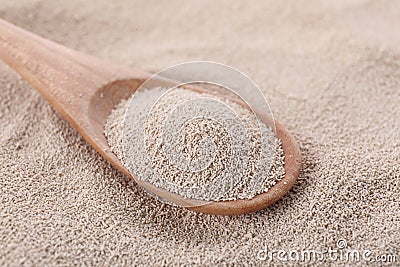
<point x="85" y="89"/>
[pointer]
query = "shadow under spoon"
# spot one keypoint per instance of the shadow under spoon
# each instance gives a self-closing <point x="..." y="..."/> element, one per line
<point x="85" y="89"/>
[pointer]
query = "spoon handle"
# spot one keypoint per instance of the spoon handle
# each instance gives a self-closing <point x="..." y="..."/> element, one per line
<point x="71" y="81"/>
<point x="66" y="78"/>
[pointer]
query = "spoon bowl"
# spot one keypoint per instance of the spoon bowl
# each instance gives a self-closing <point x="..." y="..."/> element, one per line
<point x="85" y="89"/>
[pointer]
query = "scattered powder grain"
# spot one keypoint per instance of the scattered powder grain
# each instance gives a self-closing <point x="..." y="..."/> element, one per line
<point x="218" y="155"/>
<point x="332" y="69"/>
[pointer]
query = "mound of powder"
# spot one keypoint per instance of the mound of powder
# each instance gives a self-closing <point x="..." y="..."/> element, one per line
<point x="194" y="145"/>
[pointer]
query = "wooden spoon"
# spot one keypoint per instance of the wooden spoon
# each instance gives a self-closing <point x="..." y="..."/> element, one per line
<point x="85" y="89"/>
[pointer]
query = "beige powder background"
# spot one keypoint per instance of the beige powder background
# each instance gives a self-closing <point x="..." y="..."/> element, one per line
<point x="331" y="71"/>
